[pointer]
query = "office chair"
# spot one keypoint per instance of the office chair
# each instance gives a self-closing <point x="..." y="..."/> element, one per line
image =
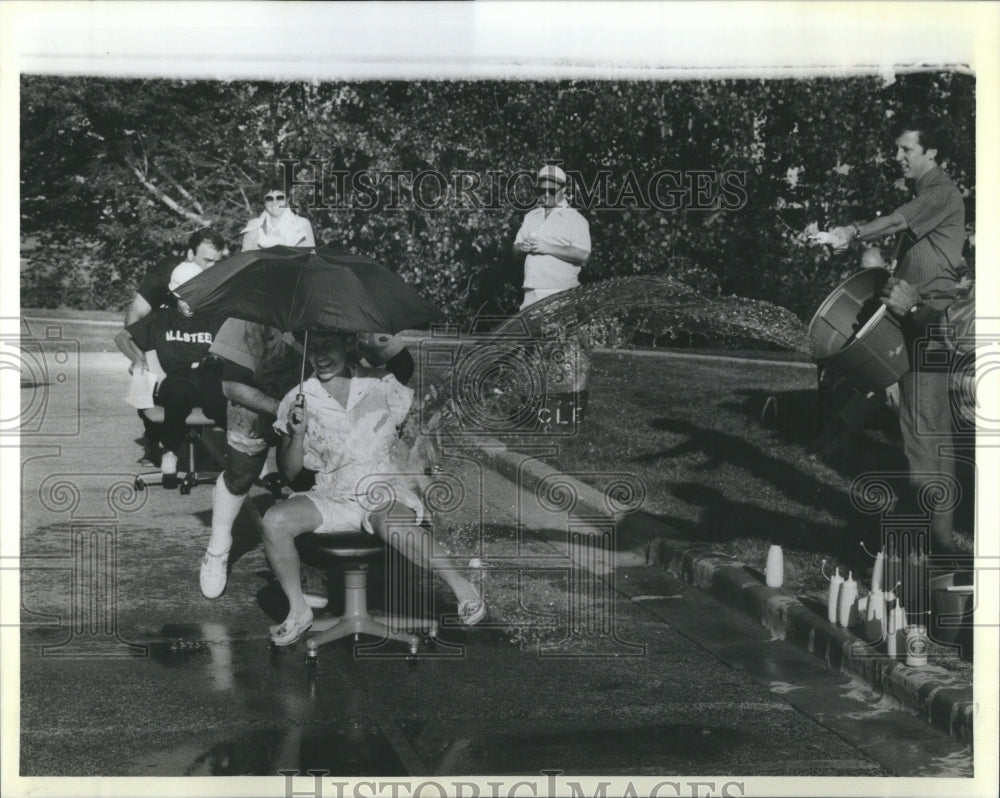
<point x="351" y="553"/>
<point x="197" y="423"/>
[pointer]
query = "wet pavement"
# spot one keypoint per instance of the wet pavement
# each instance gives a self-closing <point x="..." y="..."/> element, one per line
<point x="203" y="703"/>
<point x="126" y="670"/>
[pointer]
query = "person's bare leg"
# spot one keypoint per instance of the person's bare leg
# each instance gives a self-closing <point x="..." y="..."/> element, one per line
<point x="417" y="544"/>
<point x="282" y="524"/>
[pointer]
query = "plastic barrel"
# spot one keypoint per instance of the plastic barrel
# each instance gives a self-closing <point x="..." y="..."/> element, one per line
<point x="854" y="334"/>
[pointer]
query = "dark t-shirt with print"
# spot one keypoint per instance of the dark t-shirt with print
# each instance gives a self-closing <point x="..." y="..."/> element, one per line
<point x="179" y="340"/>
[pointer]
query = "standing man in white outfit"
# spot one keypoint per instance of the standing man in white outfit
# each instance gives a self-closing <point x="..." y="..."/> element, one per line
<point x="278" y="224"/>
<point x="555" y="239"/>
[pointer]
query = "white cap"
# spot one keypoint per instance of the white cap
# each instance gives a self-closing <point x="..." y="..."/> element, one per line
<point x="552" y="174"/>
<point x="183" y="273"/>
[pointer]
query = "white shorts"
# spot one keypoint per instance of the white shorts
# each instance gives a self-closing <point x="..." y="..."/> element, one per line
<point x="348" y="514"/>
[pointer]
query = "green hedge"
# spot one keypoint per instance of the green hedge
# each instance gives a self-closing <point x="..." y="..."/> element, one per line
<point x="99" y="156"/>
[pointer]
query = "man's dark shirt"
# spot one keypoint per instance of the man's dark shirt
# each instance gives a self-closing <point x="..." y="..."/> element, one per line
<point x="179" y="340"/>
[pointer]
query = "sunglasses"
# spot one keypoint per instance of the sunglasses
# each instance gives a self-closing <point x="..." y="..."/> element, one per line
<point x="274" y="198"/>
<point x="541" y="190"/>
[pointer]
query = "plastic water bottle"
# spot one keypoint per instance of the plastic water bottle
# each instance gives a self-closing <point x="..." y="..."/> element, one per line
<point x="834" y="596"/>
<point x="878" y="572"/>
<point x="774" y="572"/>
<point x="897" y="629"/>
<point x="891" y="630"/>
<point x="847" y="599"/>
<point x="875" y="616"/>
<point x="874" y="609"/>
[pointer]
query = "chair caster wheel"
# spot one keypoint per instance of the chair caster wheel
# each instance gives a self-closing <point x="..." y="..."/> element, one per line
<point x="139" y="484"/>
<point x="185" y="490"/>
<point x="312" y="660"/>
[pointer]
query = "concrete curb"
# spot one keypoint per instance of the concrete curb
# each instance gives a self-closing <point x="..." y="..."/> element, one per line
<point x="931" y="692"/>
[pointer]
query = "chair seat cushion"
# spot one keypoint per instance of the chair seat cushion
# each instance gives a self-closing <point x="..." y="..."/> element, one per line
<point x="331" y="550"/>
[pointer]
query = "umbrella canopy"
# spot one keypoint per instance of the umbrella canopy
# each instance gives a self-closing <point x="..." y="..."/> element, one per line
<point x="298" y="288"/>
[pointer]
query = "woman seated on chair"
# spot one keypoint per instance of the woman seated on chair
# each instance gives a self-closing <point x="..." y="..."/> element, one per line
<point x="343" y="426"/>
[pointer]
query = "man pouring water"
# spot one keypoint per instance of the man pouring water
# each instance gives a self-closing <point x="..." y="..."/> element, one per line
<point x="931" y="233"/>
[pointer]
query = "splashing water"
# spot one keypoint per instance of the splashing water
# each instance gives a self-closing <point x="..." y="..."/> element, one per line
<point x="554" y="337"/>
<point x="611" y="312"/>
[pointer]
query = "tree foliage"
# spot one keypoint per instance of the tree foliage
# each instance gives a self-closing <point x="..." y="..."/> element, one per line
<point x="117" y="173"/>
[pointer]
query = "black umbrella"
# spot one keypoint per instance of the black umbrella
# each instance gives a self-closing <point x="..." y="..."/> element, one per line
<point x="298" y="288"/>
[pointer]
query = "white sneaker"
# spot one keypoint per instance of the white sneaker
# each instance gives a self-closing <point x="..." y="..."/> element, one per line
<point x="168" y="470"/>
<point x="212" y="576"/>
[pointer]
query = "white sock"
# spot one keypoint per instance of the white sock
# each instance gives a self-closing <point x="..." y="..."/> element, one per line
<point x="225" y="507"/>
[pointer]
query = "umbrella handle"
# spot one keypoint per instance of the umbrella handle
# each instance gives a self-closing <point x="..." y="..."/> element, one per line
<point x="302" y="374"/>
<point x="298" y="404"/>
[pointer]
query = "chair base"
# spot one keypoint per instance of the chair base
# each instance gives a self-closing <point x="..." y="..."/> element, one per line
<point x="330" y="629"/>
<point x="185" y="481"/>
<point x="359" y="620"/>
<point x="197" y="422"/>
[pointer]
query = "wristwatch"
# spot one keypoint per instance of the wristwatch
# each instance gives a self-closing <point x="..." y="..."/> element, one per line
<point x="857" y="231"/>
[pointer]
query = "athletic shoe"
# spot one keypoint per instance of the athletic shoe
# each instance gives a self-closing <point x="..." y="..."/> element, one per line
<point x="168" y="470"/>
<point x="212" y="576"/>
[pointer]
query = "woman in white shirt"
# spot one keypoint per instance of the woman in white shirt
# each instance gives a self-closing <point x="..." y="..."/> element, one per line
<point x="278" y="224"/>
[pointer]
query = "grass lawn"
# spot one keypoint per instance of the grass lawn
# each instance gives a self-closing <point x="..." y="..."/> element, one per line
<point x="691" y="430"/>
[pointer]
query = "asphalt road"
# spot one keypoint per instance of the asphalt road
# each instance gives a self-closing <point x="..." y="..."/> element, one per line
<point x="126" y="670"/>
